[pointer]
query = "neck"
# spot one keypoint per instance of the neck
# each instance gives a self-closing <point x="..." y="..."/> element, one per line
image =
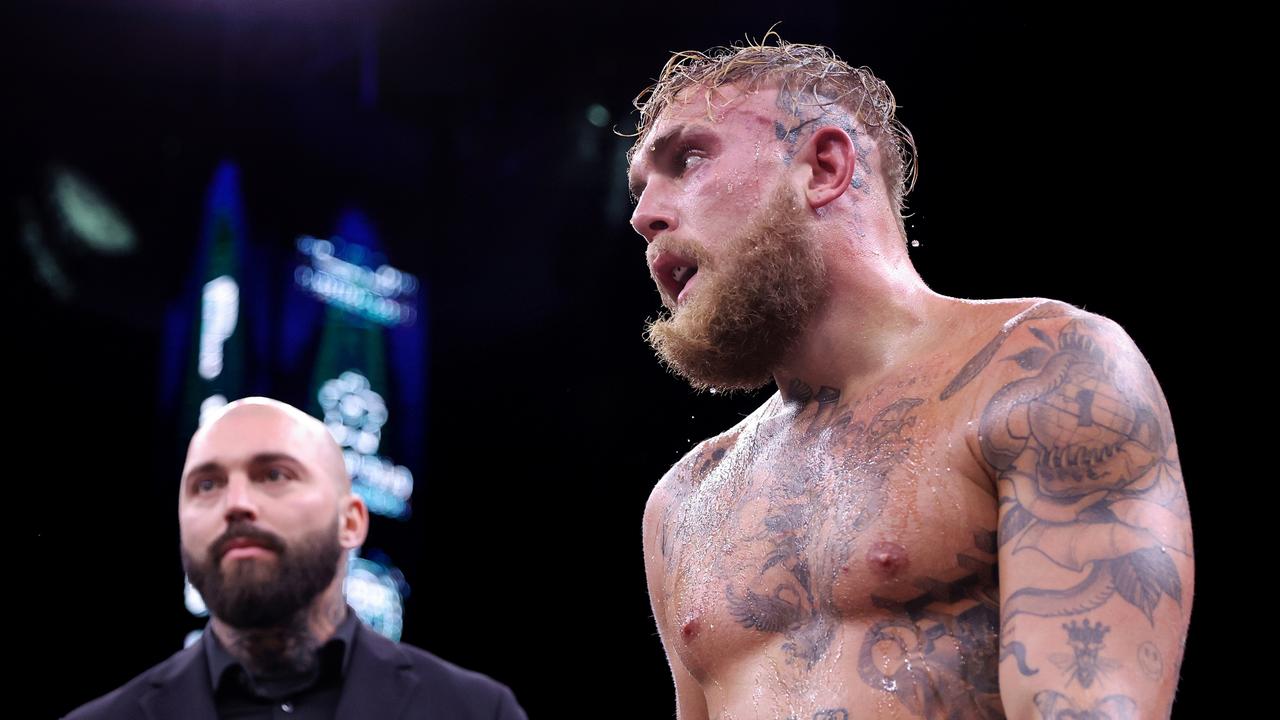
<point x="288" y="648"/>
<point x="879" y="312"/>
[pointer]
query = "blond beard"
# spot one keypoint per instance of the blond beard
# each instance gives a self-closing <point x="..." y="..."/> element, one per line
<point x="752" y="303"/>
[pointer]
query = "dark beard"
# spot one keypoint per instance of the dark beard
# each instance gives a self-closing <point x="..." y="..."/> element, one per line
<point x="750" y="308"/>
<point x="257" y="593"/>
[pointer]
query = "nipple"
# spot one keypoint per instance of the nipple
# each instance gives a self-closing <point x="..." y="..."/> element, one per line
<point x="689" y="630"/>
<point x="887" y="559"/>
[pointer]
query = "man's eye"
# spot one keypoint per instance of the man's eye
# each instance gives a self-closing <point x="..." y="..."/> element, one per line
<point x="688" y="158"/>
<point x="276" y="473"/>
<point x="204" y="485"/>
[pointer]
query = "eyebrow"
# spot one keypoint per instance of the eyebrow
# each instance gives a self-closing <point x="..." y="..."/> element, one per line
<point x="657" y="147"/>
<point x="259" y="459"/>
<point x="268" y="458"/>
<point x="202" y="468"/>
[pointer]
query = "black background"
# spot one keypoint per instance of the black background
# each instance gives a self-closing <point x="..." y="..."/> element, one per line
<point x="1054" y="161"/>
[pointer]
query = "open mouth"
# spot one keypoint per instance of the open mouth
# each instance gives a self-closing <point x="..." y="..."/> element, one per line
<point x="674" y="273"/>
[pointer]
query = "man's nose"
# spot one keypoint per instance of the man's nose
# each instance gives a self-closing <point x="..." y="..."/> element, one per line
<point x="652" y="215"/>
<point x="240" y="501"/>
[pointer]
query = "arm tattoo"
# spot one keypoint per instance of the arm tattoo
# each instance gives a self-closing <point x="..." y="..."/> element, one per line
<point x="1056" y="706"/>
<point x="1149" y="660"/>
<point x="1083" y="448"/>
<point x="1084" y="664"/>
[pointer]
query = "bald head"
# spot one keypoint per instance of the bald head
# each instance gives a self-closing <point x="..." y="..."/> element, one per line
<point x="266" y="514"/>
<point x="266" y="427"/>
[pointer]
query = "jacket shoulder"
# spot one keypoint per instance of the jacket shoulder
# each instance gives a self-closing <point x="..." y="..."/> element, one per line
<point x="452" y="686"/>
<point x="123" y="701"/>
<point x="447" y="672"/>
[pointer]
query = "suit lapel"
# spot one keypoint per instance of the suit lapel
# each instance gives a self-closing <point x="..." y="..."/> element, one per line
<point x="180" y="688"/>
<point x="380" y="681"/>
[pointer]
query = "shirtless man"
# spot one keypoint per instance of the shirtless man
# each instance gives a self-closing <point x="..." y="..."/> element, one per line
<point x="950" y="508"/>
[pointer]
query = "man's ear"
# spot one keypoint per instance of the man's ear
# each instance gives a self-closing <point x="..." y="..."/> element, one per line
<point x="353" y="521"/>
<point x="830" y="153"/>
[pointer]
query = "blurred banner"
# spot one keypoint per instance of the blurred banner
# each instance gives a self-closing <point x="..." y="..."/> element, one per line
<point x="333" y="328"/>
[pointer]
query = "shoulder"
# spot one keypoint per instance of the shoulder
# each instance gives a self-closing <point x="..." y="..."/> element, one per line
<point x="678" y="483"/>
<point x="687" y="472"/>
<point x="1032" y="360"/>
<point x="447" y="681"/>
<point x="447" y="673"/>
<point x="666" y="495"/>
<point x="114" y="703"/>
<point x="1062" y="376"/>
<point x="675" y="481"/>
<point x="123" y="701"/>
<point x="1052" y="335"/>
<point x="1011" y="338"/>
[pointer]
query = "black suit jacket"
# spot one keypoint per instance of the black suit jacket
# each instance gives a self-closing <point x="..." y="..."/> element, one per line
<point x="384" y="680"/>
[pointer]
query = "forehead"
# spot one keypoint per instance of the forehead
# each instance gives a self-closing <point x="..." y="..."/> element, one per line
<point x="249" y="431"/>
<point x="727" y="111"/>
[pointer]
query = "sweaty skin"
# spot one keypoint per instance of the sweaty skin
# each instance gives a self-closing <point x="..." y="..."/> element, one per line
<point x="950" y="508"/>
<point x="837" y="555"/>
<point x="833" y="553"/>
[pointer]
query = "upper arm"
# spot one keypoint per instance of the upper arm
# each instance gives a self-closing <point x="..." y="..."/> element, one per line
<point x="1095" y="553"/>
<point x="690" y="702"/>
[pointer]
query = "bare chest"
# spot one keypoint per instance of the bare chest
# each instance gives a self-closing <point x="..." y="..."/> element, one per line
<point x="783" y="538"/>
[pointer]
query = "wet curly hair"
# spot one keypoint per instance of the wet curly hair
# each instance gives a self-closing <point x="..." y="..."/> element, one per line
<point x="813" y="75"/>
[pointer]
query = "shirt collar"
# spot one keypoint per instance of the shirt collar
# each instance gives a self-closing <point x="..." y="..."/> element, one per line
<point x="221" y="661"/>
